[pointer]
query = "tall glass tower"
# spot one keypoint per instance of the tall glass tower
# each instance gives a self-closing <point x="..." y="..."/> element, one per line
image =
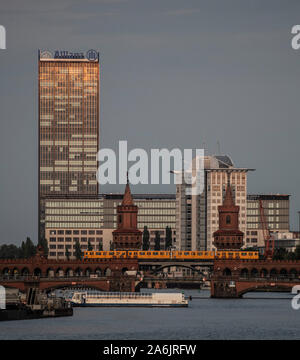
<point x="68" y="126"/>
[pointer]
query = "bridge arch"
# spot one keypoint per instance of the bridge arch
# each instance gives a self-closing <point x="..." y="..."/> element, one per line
<point x="37" y="272"/>
<point x="16" y="271"/>
<point x="59" y="272"/>
<point x="244" y="272"/>
<point x="88" y="271"/>
<point x="161" y="268"/>
<point x="263" y="272"/>
<point x="25" y="271"/>
<point x="50" y="272"/>
<point x="78" y="271"/>
<point x="293" y="273"/>
<point x="78" y="286"/>
<point x="273" y="272"/>
<point x="107" y="272"/>
<point x="283" y="272"/>
<point x="6" y="271"/>
<point x="285" y="287"/>
<point x="226" y="272"/>
<point x="98" y="271"/>
<point x="69" y="272"/>
<point x="254" y="272"/>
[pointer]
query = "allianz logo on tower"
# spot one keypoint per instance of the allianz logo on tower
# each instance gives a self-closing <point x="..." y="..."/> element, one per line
<point x="91" y="55"/>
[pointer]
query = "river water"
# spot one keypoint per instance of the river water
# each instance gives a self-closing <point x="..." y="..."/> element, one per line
<point x="256" y="316"/>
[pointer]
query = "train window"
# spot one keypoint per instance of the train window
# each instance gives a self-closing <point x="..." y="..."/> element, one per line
<point x="186" y="253"/>
<point x="111" y="253"/>
<point x="129" y="252"/>
<point x="244" y="254"/>
<point x="142" y="253"/>
<point x="193" y="253"/>
<point x="104" y="252"/>
<point x="135" y="253"/>
<point x="149" y="253"/>
<point x="155" y="253"/>
<point x="161" y="253"/>
<point x="98" y="253"/>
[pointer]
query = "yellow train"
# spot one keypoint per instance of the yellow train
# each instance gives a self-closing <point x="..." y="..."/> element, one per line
<point x="181" y="255"/>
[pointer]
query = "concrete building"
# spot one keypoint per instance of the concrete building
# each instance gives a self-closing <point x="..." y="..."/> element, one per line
<point x="276" y="210"/>
<point x="68" y="125"/>
<point x="93" y="219"/>
<point x="197" y="215"/>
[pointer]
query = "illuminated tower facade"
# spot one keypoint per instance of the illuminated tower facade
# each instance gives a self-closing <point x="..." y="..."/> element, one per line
<point x="68" y="125"/>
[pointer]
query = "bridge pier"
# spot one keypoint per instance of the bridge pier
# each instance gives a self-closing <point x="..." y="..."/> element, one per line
<point x="223" y="289"/>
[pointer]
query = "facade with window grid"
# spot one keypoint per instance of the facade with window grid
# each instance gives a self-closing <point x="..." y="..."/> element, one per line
<point x="94" y="219"/>
<point x="68" y="129"/>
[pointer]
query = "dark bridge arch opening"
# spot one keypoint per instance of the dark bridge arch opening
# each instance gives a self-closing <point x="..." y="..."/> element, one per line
<point x="226" y="272"/>
<point x="37" y="272"/>
<point x="244" y="273"/>
<point x="254" y="272"/>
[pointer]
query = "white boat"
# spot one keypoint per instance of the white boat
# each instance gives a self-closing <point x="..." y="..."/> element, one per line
<point x="128" y="299"/>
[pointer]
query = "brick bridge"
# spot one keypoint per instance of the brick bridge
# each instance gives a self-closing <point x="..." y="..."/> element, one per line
<point x="47" y="274"/>
<point x="233" y="278"/>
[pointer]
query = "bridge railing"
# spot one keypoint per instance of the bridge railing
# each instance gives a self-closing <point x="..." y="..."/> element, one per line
<point x="286" y="278"/>
<point x="49" y="278"/>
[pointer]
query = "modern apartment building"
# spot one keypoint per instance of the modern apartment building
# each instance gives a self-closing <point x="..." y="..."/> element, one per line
<point x="197" y="215"/>
<point x="93" y="219"/>
<point x="276" y="212"/>
<point x="68" y="125"/>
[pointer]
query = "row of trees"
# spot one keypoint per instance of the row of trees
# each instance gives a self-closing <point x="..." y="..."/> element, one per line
<point x="25" y="251"/>
<point x="283" y="254"/>
<point x="146" y="239"/>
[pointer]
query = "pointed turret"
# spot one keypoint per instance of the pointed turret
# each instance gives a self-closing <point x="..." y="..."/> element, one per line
<point x="127" y="198"/>
<point x="127" y="236"/>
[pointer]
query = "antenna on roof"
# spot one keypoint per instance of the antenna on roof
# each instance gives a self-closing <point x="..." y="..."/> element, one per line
<point x="219" y="147"/>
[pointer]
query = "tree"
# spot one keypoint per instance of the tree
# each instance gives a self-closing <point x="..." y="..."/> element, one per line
<point x="44" y="244"/>
<point x="157" y="241"/>
<point x="90" y="247"/>
<point x="297" y="252"/>
<point x="78" y="252"/>
<point x="168" y="242"/>
<point x="100" y="245"/>
<point x="280" y="254"/>
<point x="67" y="253"/>
<point x="29" y="249"/>
<point x="146" y="236"/>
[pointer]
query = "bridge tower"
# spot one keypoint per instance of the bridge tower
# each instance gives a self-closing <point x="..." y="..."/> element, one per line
<point x="229" y="236"/>
<point x="127" y="236"/>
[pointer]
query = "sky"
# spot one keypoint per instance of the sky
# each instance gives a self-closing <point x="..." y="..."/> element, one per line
<point x="174" y="74"/>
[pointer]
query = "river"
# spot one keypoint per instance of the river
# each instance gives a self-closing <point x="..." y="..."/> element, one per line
<point x="256" y="316"/>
